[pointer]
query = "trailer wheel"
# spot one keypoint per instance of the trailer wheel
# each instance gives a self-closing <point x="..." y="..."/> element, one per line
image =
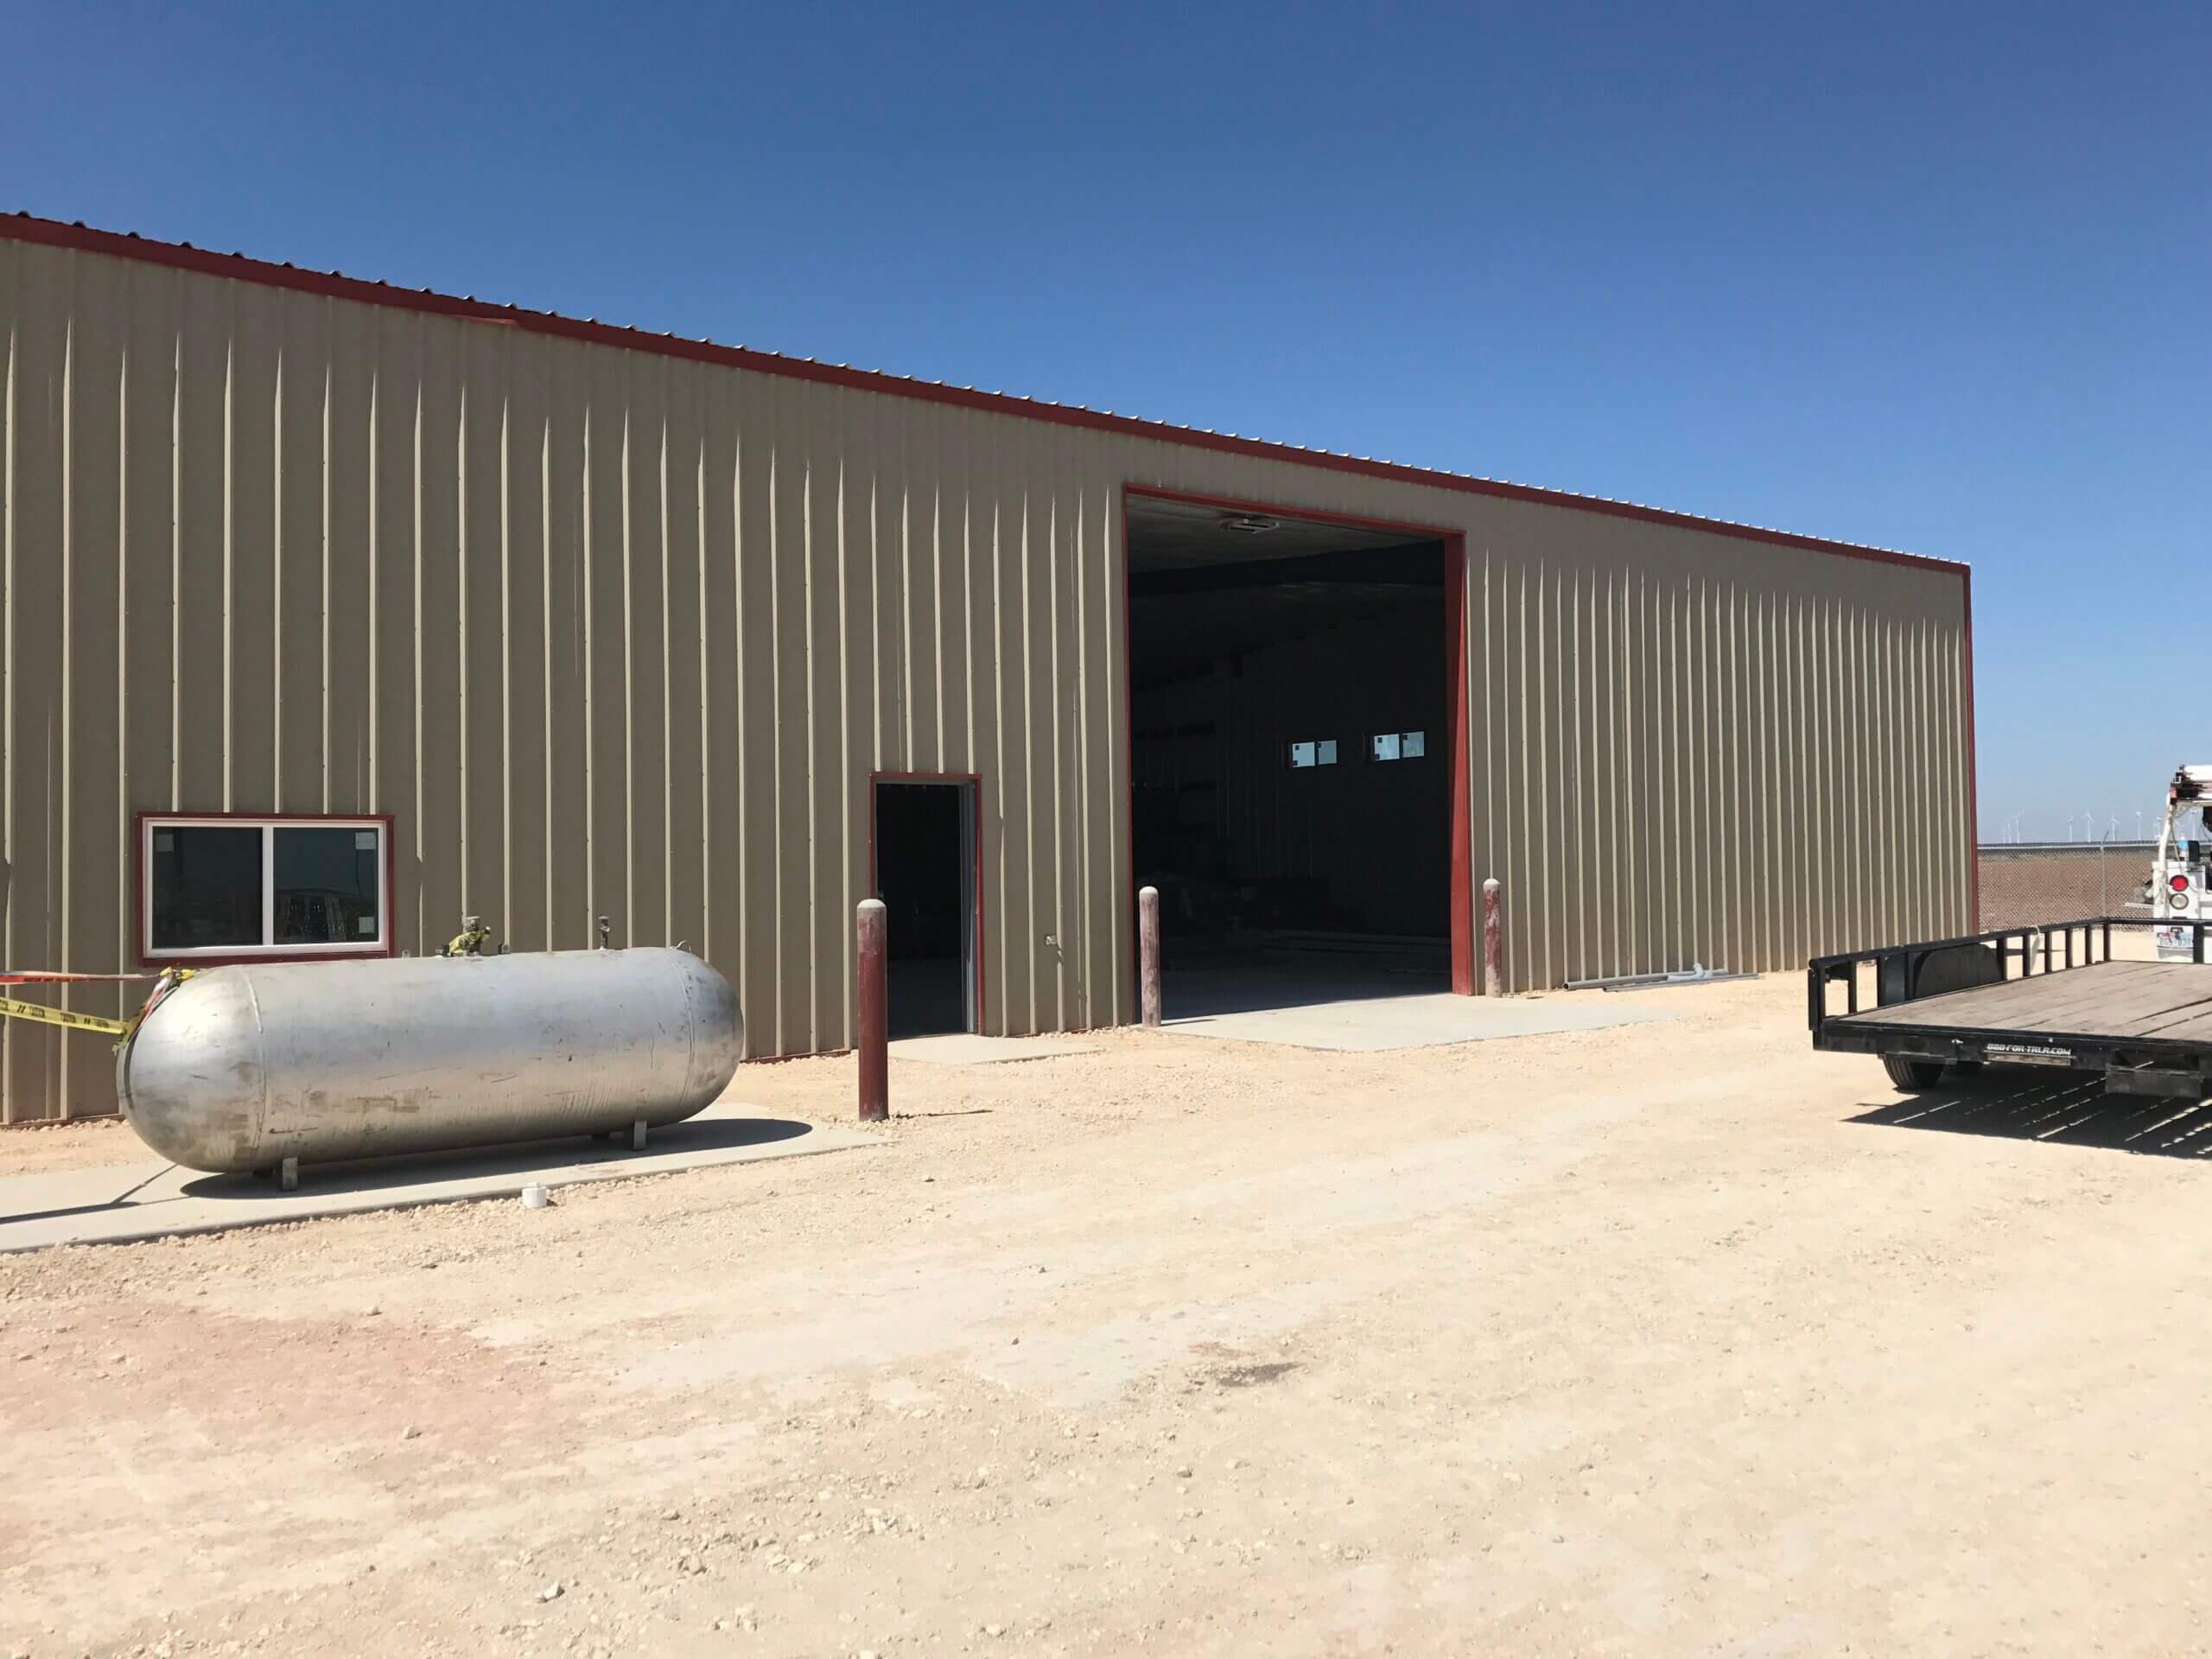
<point x="1911" y="1075"/>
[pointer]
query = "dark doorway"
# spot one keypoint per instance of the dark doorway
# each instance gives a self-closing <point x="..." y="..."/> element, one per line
<point x="926" y="875"/>
<point x="1291" y="753"/>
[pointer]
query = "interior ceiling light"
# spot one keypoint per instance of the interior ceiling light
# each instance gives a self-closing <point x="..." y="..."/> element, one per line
<point x="1249" y="523"/>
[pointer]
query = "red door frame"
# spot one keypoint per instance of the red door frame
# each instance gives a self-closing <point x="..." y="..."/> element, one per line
<point x="975" y="782"/>
<point x="1460" y="852"/>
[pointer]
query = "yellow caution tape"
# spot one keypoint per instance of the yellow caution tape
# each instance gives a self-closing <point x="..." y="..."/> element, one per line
<point x="165" y="982"/>
<point x="69" y="1017"/>
<point x="170" y="979"/>
<point x="40" y="976"/>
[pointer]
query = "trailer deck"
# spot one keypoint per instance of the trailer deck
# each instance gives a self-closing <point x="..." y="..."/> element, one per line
<point x="2042" y="996"/>
<point x="2168" y="1001"/>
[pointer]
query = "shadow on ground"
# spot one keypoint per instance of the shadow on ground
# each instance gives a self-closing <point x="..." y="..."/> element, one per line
<point x="2069" y="1108"/>
<point x="379" y="1174"/>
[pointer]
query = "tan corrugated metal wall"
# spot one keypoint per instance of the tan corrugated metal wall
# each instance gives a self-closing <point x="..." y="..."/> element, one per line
<point x="1693" y="751"/>
<point x="610" y="630"/>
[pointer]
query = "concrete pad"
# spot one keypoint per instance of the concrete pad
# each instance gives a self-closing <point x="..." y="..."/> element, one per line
<point x="1372" y="1024"/>
<point x="123" y="1203"/>
<point x="962" y="1048"/>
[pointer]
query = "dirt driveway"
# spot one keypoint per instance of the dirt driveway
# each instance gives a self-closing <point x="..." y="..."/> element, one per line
<point x="1667" y="1340"/>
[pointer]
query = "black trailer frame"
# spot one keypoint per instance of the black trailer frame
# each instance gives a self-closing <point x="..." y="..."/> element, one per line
<point x="1945" y="972"/>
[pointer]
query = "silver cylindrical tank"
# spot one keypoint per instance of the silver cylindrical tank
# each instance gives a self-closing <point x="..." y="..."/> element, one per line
<point x="239" y="1068"/>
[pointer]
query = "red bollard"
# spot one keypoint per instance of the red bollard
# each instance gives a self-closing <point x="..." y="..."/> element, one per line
<point x="1148" y="955"/>
<point x="872" y="933"/>
<point x="1493" y="939"/>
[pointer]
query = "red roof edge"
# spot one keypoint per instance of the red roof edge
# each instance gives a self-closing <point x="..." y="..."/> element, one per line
<point x="26" y="228"/>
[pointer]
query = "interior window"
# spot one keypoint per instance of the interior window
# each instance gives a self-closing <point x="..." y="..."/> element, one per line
<point x="1397" y="746"/>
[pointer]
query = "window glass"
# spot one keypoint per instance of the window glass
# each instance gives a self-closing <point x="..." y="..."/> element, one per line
<point x="206" y="887"/>
<point x="1413" y="745"/>
<point x="240" y="886"/>
<point x="1301" y="754"/>
<point x="326" y="880"/>
<point x="1326" y="752"/>
<point x="1386" y="746"/>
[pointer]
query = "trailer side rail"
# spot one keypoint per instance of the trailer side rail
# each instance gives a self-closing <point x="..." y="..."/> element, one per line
<point x="2125" y="1027"/>
<point x="1901" y="970"/>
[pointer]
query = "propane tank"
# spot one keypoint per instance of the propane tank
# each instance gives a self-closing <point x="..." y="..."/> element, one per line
<point x="240" y="1068"/>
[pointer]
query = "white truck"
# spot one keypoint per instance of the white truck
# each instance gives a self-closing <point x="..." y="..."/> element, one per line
<point x="2180" y="887"/>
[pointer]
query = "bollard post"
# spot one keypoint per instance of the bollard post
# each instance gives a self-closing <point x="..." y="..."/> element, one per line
<point x="1493" y="938"/>
<point x="872" y="931"/>
<point x="1148" y="955"/>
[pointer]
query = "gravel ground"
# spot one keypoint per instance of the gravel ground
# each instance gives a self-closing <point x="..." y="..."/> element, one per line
<point x="1667" y="1340"/>
<point x="35" y="1149"/>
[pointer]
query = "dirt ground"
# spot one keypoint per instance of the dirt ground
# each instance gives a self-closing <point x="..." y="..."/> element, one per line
<point x="1673" y="1338"/>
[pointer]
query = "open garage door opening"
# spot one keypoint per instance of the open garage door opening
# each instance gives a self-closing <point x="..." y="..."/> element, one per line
<point x="1290" y="755"/>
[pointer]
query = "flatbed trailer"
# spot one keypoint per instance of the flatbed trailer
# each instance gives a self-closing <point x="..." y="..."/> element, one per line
<point x="2049" y="996"/>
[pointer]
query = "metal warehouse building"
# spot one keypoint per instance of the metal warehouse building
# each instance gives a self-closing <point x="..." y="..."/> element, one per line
<point x="333" y="612"/>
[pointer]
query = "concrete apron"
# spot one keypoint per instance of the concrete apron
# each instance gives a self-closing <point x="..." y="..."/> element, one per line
<point x="121" y="1204"/>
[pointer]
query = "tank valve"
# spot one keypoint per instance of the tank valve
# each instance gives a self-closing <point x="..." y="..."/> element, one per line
<point x="472" y="938"/>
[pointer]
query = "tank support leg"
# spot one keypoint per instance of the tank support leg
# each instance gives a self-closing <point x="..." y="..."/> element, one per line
<point x="288" y="1175"/>
<point x="638" y="1135"/>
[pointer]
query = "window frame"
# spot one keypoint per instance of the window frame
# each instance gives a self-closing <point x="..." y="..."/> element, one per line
<point x="1290" y="753"/>
<point x="1374" y="738"/>
<point x="216" y="956"/>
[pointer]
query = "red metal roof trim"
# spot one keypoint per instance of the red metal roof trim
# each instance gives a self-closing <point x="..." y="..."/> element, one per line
<point x="183" y="256"/>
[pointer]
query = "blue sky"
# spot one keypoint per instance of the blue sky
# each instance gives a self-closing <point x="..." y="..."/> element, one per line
<point x="1934" y="278"/>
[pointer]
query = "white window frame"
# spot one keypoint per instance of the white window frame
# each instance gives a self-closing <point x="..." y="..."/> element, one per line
<point x="269" y="950"/>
